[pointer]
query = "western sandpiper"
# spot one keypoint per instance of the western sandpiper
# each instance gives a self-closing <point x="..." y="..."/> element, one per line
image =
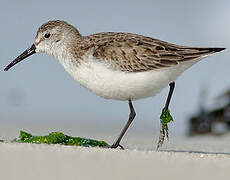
<point x="120" y="66"/>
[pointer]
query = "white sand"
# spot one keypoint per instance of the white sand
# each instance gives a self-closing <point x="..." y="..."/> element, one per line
<point x="189" y="158"/>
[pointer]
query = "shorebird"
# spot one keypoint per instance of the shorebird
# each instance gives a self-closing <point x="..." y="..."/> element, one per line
<point x="115" y="65"/>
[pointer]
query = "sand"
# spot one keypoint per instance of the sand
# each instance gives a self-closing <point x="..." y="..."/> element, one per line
<point x="180" y="158"/>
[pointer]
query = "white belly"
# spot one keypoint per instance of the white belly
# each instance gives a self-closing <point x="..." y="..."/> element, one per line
<point x="115" y="84"/>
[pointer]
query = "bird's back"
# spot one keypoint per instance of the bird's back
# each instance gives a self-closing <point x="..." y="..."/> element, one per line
<point x="136" y="53"/>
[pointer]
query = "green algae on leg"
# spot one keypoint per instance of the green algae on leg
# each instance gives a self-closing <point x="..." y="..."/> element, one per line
<point x="59" y="138"/>
<point x="165" y="119"/>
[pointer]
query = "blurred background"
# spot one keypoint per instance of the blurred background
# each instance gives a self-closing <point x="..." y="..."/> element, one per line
<point x="39" y="96"/>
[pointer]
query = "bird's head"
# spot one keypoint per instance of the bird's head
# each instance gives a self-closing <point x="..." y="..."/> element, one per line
<point x="52" y="38"/>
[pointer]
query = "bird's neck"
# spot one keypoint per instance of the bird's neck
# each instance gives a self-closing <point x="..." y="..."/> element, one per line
<point x="71" y="52"/>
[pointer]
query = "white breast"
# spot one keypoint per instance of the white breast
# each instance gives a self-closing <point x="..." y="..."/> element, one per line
<point x="108" y="83"/>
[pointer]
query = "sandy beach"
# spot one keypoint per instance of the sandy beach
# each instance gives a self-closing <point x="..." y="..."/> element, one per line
<point x="180" y="158"/>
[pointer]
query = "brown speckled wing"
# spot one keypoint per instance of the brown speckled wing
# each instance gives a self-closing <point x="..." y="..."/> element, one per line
<point x="136" y="53"/>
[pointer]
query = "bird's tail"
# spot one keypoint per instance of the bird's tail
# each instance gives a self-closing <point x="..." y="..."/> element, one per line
<point x="189" y="53"/>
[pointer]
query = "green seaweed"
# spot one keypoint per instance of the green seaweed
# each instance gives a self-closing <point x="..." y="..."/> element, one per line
<point x="59" y="138"/>
<point x="166" y="118"/>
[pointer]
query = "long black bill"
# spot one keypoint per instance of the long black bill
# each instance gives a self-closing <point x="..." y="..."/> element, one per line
<point x="24" y="55"/>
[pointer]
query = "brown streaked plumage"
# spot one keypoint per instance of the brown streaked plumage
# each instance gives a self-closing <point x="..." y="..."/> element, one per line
<point x="57" y="23"/>
<point x="136" y="53"/>
<point x="130" y="52"/>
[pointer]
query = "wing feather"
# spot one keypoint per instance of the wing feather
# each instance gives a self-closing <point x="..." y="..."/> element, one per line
<point x="135" y="53"/>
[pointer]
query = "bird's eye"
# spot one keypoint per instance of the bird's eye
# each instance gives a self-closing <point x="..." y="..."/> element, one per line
<point x="47" y="35"/>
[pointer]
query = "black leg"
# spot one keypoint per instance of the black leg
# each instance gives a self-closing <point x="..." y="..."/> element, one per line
<point x="131" y="117"/>
<point x="164" y="127"/>
<point x="171" y="89"/>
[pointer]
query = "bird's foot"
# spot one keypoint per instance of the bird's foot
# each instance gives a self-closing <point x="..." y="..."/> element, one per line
<point x="165" y="119"/>
<point x="116" y="145"/>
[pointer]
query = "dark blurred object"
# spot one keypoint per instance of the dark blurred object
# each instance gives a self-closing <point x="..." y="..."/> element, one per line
<point x="215" y="122"/>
